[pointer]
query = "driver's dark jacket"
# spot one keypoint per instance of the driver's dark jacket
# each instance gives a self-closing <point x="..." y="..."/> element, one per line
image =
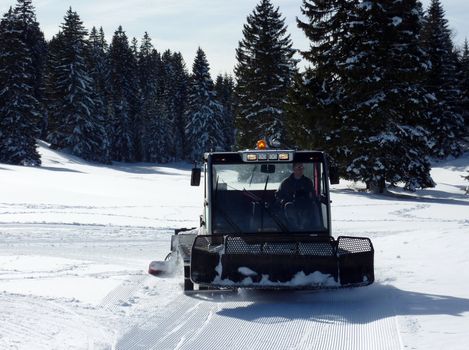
<point x="291" y="189"/>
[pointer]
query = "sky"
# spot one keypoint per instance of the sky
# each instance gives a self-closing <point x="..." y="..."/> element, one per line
<point x="184" y="25"/>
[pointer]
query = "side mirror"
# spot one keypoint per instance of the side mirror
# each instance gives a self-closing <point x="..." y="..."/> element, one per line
<point x="268" y="168"/>
<point x="195" y="176"/>
<point x="334" y="175"/>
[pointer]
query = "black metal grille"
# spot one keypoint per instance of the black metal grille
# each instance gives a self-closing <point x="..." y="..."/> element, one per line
<point x="316" y="248"/>
<point x="349" y="260"/>
<point x="282" y="245"/>
<point x="350" y="245"/>
<point x="289" y="245"/>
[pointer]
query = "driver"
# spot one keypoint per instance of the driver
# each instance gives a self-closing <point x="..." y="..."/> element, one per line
<point x="296" y="195"/>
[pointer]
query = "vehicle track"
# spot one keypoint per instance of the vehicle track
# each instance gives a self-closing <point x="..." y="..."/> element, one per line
<point x="348" y="319"/>
<point x="120" y="295"/>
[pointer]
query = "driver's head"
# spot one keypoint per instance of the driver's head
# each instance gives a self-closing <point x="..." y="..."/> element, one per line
<point x="298" y="169"/>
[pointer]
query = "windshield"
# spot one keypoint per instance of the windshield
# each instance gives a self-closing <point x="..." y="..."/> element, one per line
<point x="268" y="197"/>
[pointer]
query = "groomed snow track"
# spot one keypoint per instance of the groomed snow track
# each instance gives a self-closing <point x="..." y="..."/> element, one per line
<point x="348" y="319"/>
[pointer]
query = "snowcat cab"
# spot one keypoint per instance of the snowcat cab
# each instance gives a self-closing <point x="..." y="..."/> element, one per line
<point x="246" y="237"/>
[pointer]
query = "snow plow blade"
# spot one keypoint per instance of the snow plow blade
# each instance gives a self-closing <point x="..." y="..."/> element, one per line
<point x="282" y="262"/>
<point x="158" y="268"/>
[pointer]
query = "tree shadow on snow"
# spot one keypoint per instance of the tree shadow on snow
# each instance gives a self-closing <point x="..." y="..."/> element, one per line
<point x="439" y="197"/>
<point x="150" y="168"/>
<point x="59" y="169"/>
<point x="359" y="306"/>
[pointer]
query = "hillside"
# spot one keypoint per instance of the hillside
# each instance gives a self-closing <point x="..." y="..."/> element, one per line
<point x="76" y="239"/>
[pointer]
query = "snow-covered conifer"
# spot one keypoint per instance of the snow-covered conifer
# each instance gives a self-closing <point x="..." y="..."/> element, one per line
<point x="387" y="104"/>
<point x="168" y="107"/>
<point x="179" y="101"/>
<point x="99" y="70"/>
<point x="19" y="109"/>
<point x="156" y="136"/>
<point x="264" y="70"/>
<point x="367" y="69"/>
<point x="203" y="130"/>
<point x="150" y="126"/>
<point x="315" y="95"/>
<point x="224" y="88"/>
<point x="148" y="63"/>
<point x="34" y="40"/>
<point x="75" y="124"/>
<point x="124" y="88"/>
<point x="446" y="123"/>
<point x="464" y="85"/>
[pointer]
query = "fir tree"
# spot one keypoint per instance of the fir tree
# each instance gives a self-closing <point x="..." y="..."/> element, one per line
<point x="203" y="130"/>
<point x="263" y="72"/>
<point x="316" y="94"/>
<point x="77" y="125"/>
<point x="172" y="101"/>
<point x="367" y="69"/>
<point x="224" y="88"/>
<point x="53" y="95"/>
<point x="464" y="85"/>
<point x="309" y="122"/>
<point x="99" y="66"/>
<point x="180" y="86"/>
<point x="34" y="40"/>
<point x="150" y="126"/>
<point x="123" y="83"/>
<point x="135" y="102"/>
<point x="385" y="101"/>
<point x="156" y="130"/>
<point x="446" y="123"/>
<point x="19" y="109"/>
<point x="148" y="64"/>
<point x="99" y="70"/>
<point x="167" y="106"/>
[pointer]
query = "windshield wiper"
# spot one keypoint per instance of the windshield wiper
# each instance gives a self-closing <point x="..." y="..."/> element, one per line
<point x="252" y="175"/>
<point x="277" y="220"/>
<point x="263" y="202"/>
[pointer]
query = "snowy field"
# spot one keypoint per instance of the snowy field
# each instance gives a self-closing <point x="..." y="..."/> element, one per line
<point x="76" y="240"/>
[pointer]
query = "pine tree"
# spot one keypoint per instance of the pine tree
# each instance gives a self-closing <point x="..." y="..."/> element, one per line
<point x="464" y="85"/>
<point x="368" y="98"/>
<point x="99" y="66"/>
<point x="170" y="102"/>
<point x="264" y="70"/>
<point x="148" y="63"/>
<point x="53" y="95"/>
<point x="123" y="83"/>
<point x="224" y="88"/>
<point x="316" y="94"/>
<point x="99" y="70"/>
<point x="135" y="102"/>
<point x="34" y="40"/>
<point x="179" y="96"/>
<point x="446" y="124"/>
<point x="151" y="128"/>
<point x="394" y="145"/>
<point x="167" y="106"/>
<point x="156" y="130"/>
<point x="311" y="122"/>
<point x="19" y="109"/>
<point x="77" y="126"/>
<point x="203" y="130"/>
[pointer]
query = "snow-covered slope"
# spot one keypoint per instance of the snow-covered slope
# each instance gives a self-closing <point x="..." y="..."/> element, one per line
<point x="76" y="239"/>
